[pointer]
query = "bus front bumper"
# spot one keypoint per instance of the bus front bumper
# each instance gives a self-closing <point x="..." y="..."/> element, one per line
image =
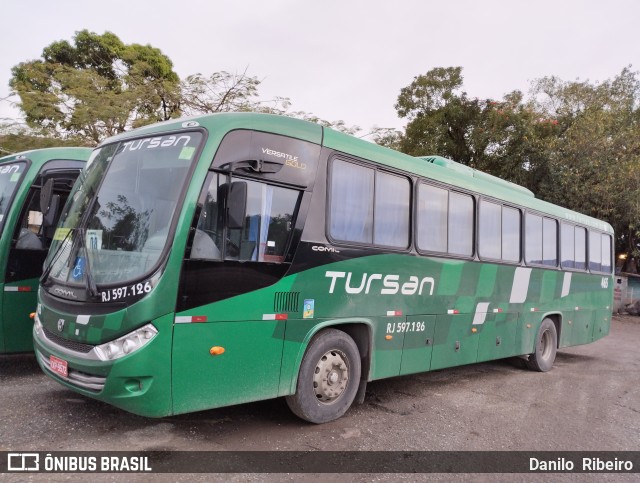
<point x="139" y="382"/>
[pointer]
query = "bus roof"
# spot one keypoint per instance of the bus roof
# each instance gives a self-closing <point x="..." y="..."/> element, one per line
<point x="433" y="167"/>
<point x="40" y="156"/>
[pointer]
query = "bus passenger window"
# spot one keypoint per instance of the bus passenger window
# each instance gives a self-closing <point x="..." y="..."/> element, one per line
<point x="581" y="248"/>
<point x="567" y="245"/>
<point x="392" y="209"/>
<point x="606" y="253"/>
<point x="510" y="234"/>
<point x="460" y="231"/>
<point x="595" y="251"/>
<point x="490" y="245"/>
<point x="533" y="239"/>
<point x="549" y="242"/>
<point x="351" y="217"/>
<point x="432" y="218"/>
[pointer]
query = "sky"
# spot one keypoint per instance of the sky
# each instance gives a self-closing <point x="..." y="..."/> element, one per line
<point x="346" y="59"/>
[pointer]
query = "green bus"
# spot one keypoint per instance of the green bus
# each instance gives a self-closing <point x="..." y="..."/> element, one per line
<point x="237" y="257"/>
<point x="27" y="229"/>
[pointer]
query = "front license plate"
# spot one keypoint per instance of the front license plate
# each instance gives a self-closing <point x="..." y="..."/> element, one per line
<point x="58" y="366"/>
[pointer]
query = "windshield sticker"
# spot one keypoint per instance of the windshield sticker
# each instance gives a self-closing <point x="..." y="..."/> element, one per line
<point x="309" y="307"/>
<point x="78" y="269"/>
<point x="14" y="177"/>
<point x="94" y="239"/>
<point x="61" y="233"/>
<point x="187" y="153"/>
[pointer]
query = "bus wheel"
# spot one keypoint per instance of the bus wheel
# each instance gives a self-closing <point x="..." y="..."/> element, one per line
<point x="546" y="345"/>
<point x="328" y="378"/>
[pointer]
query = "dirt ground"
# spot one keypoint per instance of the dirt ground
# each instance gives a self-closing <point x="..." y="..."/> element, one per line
<point x="590" y="400"/>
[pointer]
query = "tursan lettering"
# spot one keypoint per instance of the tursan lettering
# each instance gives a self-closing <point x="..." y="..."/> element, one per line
<point x="157" y="142"/>
<point x="379" y="283"/>
<point x="10" y="169"/>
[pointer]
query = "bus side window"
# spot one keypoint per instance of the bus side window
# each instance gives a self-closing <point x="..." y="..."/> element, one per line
<point x="269" y="219"/>
<point x="207" y="240"/>
<point x="262" y="235"/>
<point x="29" y="231"/>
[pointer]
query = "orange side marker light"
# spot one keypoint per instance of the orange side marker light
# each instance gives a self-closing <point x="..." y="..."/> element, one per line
<point x="32" y="315"/>
<point x="216" y="350"/>
<point x="388" y="337"/>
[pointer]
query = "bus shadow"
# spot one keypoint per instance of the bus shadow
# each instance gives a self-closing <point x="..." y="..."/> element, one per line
<point x="571" y="358"/>
<point x="18" y="366"/>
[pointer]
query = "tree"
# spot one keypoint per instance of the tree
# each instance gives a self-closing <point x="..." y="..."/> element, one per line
<point x="595" y="156"/>
<point x="96" y="87"/>
<point x="503" y="137"/>
<point x="226" y="92"/>
<point x="575" y="144"/>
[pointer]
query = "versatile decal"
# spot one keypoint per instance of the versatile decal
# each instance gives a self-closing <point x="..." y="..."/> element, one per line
<point x="290" y="160"/>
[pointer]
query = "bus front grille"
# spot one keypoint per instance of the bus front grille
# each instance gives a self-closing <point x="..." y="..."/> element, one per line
<point x="83" y="380"/>
<point x="67" y="344"/>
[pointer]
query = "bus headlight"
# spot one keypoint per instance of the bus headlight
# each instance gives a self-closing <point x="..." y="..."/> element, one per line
<point x="37" y="325"/>
<point x="126" y="344"/>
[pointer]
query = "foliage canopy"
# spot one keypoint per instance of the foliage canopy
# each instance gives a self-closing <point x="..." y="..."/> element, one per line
<point x="96" y="86"/>
<point x="576" y="144"/>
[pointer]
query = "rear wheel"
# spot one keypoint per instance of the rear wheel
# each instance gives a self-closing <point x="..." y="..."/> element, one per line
<point x="546" y="346"/>
<point x="328" y="378"/>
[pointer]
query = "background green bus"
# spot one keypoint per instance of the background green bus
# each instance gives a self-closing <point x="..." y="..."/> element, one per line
<point x="27" y="232"/>
<point x="238" y="257"/>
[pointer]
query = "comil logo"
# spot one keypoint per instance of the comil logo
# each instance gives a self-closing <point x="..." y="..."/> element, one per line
<point x="23" y="462"/>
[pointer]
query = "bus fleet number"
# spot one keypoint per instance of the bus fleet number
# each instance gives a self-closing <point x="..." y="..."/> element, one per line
<point x="400" y="327"/>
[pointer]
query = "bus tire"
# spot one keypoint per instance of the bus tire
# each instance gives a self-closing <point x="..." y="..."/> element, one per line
<point x="328" y="378"/>
<point x="546" y="346"/>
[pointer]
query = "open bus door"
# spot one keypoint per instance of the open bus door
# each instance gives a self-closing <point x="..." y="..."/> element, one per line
<point x="31" y="238"/>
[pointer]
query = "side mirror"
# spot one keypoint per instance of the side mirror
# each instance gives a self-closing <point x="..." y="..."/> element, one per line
<point x="237" y="205"/>
<point x="46" y="193"/>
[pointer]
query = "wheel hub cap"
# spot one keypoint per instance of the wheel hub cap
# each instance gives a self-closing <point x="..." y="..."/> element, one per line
<point x="330" y="377"/>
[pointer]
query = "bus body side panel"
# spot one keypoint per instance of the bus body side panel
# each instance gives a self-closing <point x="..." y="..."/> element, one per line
<point x="476" y="311"/>
<point x="246" y="369"/>
<point x="18" y="301"/>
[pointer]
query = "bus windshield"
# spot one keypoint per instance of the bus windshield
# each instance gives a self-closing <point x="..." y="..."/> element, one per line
<point x="10" y="175"/>
<point x="116" y="226"/>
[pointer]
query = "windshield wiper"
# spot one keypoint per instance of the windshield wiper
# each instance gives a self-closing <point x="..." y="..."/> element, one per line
<point x="47" y="271"/>
<point x="91" y="283"/>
